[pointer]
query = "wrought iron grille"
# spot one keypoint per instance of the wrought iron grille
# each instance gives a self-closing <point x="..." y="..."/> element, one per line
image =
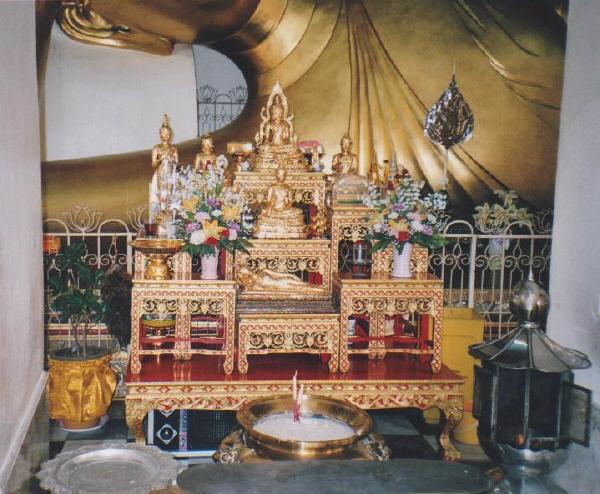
<point x="479" y="270"/>
<point x="216" y="109"/>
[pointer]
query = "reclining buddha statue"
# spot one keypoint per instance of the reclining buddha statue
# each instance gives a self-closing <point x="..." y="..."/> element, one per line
<point x="275" y="139"/>
<point x="279" y="218"/>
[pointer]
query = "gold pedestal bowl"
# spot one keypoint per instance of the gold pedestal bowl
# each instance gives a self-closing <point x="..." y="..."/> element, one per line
<point x="158" y="251"/>
<point x="248" y="445"/>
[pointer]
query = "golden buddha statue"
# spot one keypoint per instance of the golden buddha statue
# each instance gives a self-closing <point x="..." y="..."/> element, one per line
<point x="346" y="161"/>
<point x="275" y="140"/>
<point x="267" y="280"/>
<point x="279" y="218"/>
<point x="380" y="173"/>
<point x="164" y="158"/>
<point x="207" y="155"/>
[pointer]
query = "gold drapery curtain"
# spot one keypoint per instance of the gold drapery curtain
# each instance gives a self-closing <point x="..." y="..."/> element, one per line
<point x="371" y="67"/>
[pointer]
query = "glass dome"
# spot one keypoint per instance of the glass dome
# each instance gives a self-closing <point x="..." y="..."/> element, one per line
<point x="349" y="189"/>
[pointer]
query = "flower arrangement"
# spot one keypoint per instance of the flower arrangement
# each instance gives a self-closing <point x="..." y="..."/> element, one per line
<point x="496" y="217"/>
<point x="209" y="215"/>
<point x="403" y="215"/>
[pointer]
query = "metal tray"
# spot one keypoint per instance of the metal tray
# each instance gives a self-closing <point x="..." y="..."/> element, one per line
<point x="110" y="467"/>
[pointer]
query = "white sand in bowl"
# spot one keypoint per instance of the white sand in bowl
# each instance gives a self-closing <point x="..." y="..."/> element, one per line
<point x="310" y="428"/>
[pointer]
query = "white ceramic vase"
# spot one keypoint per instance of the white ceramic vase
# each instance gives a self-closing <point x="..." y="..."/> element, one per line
<point x="209" y="266"/>
<point x="401" y="266"/>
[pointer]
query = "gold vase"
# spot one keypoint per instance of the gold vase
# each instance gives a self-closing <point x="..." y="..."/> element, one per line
<point x="81" y="390"/>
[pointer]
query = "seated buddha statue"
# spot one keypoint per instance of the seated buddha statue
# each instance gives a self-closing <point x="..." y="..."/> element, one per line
<point x="267" y="280"/>
<point x="279" y="218"/>
<point x="349" y="187"/>
<point x="346" y="161"/>
<point x="164" y="158"/>
<point x="207" y="155"/>
<point x="275" y="141"/>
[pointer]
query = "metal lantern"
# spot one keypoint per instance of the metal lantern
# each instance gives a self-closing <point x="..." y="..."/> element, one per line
<point x="361" y="259"/>
<point x="528" y="408"/>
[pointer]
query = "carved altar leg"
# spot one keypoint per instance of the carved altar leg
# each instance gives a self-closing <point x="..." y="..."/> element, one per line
<point x="229" y="315"/>
<point x="183" y="325"/>
<point x="453" y="412"/>
<point x="135" y="411"/>
<point x="438" y="313"/>
<point x="334" y="344"/>
<point x="379" y="318"/>
<point x="242" y="358"/>
<point x="343" y="332"/>
<point x="136" y="314"/>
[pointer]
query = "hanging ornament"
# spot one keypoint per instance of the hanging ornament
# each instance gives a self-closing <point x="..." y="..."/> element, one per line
<point x="450" y="121"/>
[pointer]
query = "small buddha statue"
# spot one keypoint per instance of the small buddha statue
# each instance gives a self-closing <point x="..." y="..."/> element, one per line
<point x="164" y="158"/>
<point x="207" y="155"/>
<point x="349" y="187"/>
<point x="276" y="142"/>
<point x="380" y="173"/>
<point x="267" y="280"/>
<point x="279" y="218"/>
<point x="346" y="161"/>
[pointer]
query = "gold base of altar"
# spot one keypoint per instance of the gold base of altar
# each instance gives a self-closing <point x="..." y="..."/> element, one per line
<point x="306" y="186"/>
<point x="308" y="261"/>
<point x="399" y="381"/>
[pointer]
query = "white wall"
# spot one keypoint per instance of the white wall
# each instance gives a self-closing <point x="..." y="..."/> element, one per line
<point x="21" y="299"/>
<point x="575" y="270"/>
<point x="102" y="100"/>
<point x="216" y="70"/>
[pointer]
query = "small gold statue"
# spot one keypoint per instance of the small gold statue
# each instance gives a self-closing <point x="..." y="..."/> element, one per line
<point x="320" y="221"/>
<point x="207" y="155"/>
<point x="380" y="173"/>
<point x="267" y="280"/>
<point x="275" y="140"/>
<point x="279" y="218"/>
<point x="164" y="158"/>
<point x="346" y="161"/>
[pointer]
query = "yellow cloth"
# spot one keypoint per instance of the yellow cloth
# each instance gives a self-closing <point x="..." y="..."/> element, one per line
<point x="81" y="391"/>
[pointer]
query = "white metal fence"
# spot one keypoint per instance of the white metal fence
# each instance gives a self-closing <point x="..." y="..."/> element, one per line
<point x="479" y="269"/>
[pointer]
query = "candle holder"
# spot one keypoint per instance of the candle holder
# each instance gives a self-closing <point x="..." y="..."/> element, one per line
<point x="361" y="259"/>
<point x="250" y="445"/>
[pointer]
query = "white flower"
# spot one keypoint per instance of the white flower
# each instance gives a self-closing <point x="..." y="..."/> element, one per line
<point x="197" y="237"/>
<point x="232" y="234"/>
<point x="416" y="226"/>
<point x="216" y="213"/>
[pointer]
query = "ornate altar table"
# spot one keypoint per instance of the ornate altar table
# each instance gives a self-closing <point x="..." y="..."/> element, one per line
<point x="381" y="296"/>
<point x="199" y="384"/>
<point x="184" y="299"/>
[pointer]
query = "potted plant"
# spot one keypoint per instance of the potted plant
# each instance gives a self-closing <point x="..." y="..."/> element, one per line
<point x="403" y="217"/>
<point x="210" y="216"/>
<point x="81" y="379"/>
<point x="495" y="218"/>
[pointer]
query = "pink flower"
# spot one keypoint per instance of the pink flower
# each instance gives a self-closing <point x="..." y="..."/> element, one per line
<point x="201" y="216"/>
<point x="232" y="234"/>
<point x="192" y="227"/>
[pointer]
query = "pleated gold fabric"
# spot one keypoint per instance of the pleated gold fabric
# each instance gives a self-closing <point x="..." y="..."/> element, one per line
<point x="81" y="390"/>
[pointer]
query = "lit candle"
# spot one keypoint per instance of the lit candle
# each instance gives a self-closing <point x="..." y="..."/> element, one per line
<point x="294" y="385"/>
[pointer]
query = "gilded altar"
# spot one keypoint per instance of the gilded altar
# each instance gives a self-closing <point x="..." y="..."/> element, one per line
<point x="288" y="301"/>
<point x="309" y="188"/>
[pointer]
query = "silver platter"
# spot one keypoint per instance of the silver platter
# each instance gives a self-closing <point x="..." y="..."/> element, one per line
<point x="110" y="467"/>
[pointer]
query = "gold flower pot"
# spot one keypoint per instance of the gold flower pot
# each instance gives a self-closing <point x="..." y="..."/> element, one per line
<point x="80" y="390"/>
<point x="158" y="251"/>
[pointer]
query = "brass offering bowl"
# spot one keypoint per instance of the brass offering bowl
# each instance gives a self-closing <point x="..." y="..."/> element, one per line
<point x="158" y="251"/>
<point x="272" y="447"/>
